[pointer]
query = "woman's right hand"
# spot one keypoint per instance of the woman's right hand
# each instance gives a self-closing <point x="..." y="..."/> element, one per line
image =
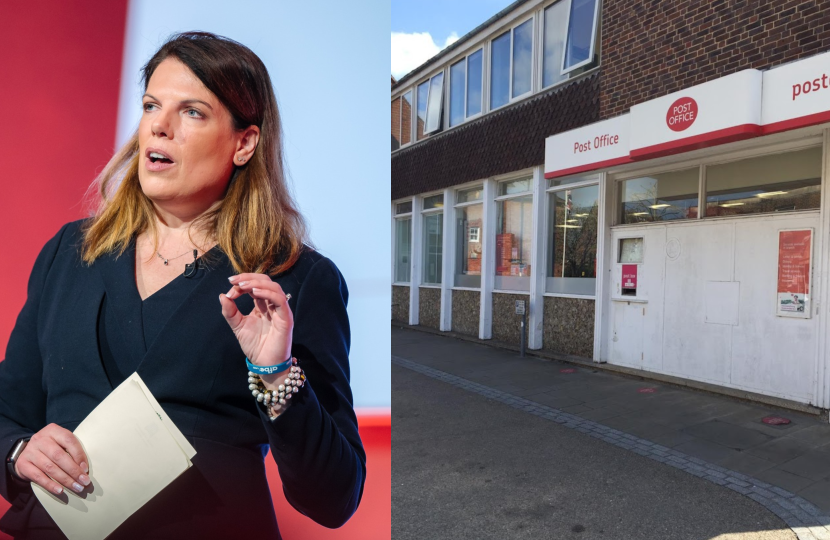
<point x="54" y="452"/>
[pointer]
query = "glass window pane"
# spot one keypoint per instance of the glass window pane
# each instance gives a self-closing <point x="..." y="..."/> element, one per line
<point x="556" y="24"/>
<point x="457" y="82"/>
<point x="515" y="186"/>
<point x="514" y="229"/>
<point x="774" y="183"/>
<point x="468" y="230"/>
<point x="522" y="57"/>
<point x="403" y="246"/>
<point x="396" y="123"/>
<point x="660" y="197"/>
<point x="553" y="182"/>
<point x="406" y="118"/>
<point x="436" y="91"/>
<point x="423" y="92"/>
<point x="436" y="201"/>
<point x="572" y="241"/>
<point x="474" y="81"/>
<point x="403" y="207"/>
<point x="500" y="71"/>
<point x="433" y="234"/>
<point x="578" y="45"/>
<point x="468" y="195"/>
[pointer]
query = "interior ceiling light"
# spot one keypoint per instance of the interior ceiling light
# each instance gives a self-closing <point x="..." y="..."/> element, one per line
<point x="770" y="193"/>
<point x="656" y="206"/>
<point x="640" y="214"/>
<point x="727" y="205"/>
<point x="581" y="215"/>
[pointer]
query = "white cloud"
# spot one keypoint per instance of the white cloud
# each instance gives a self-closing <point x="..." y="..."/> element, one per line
<point x="411" y="50"/>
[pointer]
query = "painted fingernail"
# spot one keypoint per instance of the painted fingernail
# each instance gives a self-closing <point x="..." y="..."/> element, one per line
<point x="233" y="279"/>
<point x="77" y="487"/>
<point x="85" y="467"/>
<point x="58" y="490"/>
<point x="228" y="295"/>
<point x="242" y="283"/>
<point x="256" y="290"/>
<point x="84" y="479"/>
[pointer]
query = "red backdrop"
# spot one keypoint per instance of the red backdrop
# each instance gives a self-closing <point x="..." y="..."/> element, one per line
<point x="60" y="69"/>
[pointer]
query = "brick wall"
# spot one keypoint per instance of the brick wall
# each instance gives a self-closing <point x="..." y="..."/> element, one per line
<point x="654" y="48"/>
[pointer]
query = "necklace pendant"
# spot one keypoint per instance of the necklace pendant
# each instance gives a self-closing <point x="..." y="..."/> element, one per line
<point x="165" y="262"/>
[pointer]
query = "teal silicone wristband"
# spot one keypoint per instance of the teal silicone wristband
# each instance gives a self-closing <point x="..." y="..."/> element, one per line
<point x="268" y="370"/>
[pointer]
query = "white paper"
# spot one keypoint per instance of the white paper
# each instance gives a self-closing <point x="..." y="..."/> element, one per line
<point x="134" y="452"/>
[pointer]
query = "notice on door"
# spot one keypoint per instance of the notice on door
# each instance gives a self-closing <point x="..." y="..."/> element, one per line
<point x="794" y="263"/>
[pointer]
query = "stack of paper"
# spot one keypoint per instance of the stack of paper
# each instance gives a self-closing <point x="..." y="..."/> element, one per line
<point x="134" y="451"/>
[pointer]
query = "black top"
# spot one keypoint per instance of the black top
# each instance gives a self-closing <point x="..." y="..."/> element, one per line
<point x="185" y="352"/>
<point x="156" y="311"/>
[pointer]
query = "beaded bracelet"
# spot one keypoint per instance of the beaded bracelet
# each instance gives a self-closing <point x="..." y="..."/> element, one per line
<point x="276" y="401"/>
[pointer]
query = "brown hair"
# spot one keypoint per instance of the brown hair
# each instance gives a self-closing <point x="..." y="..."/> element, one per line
<point x="256" y="223"/>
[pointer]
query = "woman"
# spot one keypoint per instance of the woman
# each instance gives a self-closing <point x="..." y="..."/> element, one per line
<point x="193" y="208"/>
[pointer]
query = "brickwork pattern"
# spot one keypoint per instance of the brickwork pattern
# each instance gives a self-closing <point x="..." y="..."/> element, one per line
<point x="651" y="49"/>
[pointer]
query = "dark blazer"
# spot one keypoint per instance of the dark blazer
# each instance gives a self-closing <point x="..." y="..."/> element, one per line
<point x="195" y="368"/>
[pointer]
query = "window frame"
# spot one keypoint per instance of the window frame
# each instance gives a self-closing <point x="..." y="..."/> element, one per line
<point x="541" y="61"/>
<point x="496" y="200"/>
<point x="466" y="60"/>
<point x="397" y="216"/>
<point x="439" y="124"/>
<point x="590" y="179"/>
<point x="533" y="45"/>
<point x="456" y="206"/>
<point x="702" y="163"/>
<point x="424" y="213"/>
<point x="593" y="41"/>
<point x="411" y="134"/>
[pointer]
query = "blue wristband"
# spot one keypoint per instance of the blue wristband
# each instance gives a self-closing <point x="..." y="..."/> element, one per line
<point x="268" y="370"/>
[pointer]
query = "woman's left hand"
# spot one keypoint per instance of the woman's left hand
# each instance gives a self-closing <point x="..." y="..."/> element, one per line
<point x="265" y="333"/>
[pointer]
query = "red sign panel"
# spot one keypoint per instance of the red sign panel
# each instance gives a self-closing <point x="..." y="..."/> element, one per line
<point x="681" y="114"/>
<point x="794" y="248"/>
<point x="629" y="276"/>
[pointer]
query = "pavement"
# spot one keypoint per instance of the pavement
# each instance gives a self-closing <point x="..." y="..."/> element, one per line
<point x="487" y="444"/>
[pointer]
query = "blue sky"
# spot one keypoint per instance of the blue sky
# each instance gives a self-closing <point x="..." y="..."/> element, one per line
<point x="440" y="19"/>
<point x="337" y="156"/>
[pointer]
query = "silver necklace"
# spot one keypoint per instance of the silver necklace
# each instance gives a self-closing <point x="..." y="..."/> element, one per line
<point x="176" y="257"/>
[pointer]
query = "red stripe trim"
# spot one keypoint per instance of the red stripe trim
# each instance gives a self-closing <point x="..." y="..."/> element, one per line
<point x="588" y="167"/>
<point x="793" y="123"/>
<point x="721" y="136"/>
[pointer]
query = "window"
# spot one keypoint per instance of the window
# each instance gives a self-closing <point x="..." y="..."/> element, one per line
<point x="406" y="118"/>
<point x="511" y="64"/>
<point x="403" y="241"/>
<point x="514" y="230"/>
<point x="433" y="223"/>
<point x="465" y="88"/>
<point x="772" y="183"/>
<point x="556" y="26"/>
<point x="475" y="80"/>
<point x="660" y="197"/>
<point x="572" y="241"/>
<point x="579" y="42"/>
<point x="468" y="216"/>
<point x="436" y="93"/>
<point x="423" y="93"/>
<point x="522" y="58"/>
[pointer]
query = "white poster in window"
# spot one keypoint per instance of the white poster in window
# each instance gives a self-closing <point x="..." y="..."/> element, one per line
<point x="794" y="263"/>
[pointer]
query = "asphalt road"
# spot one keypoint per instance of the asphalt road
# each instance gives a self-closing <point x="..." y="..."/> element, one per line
<point x="467" y="467"/>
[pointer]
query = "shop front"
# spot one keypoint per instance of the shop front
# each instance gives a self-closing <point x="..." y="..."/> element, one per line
<point x="712" y="247"/>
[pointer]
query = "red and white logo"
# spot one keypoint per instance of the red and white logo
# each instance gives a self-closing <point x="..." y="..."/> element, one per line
<point x="682" y="114"/>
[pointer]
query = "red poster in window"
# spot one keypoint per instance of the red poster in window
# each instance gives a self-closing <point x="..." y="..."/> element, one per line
<point x="794" y="249"/>
<point x="629" y="276"/>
